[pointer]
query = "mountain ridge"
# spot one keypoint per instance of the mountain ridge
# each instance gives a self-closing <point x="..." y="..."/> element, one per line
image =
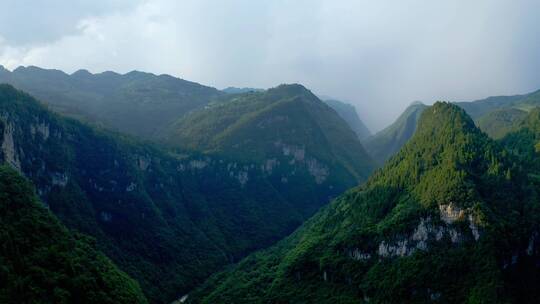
<point x="137" y="103"/>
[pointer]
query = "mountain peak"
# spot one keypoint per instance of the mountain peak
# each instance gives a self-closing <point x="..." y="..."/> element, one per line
<point x="81" y="73"/>
<point x="291" y="89"/>
<point x="444" y="117"/>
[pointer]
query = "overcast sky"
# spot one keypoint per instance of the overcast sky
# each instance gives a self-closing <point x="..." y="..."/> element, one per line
<point x="377" y="55"/>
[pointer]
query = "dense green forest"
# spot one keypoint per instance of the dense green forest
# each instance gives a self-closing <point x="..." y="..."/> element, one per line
<point x="452" y="218"/>
<point x="500" y="122"/>
<point x="301" y="142"/>
<point x="168" y="218"/>
<point x="42" y="262"/>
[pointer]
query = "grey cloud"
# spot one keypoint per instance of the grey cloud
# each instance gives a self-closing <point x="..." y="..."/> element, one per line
<point x="378" y="55"/>
<point x="32" y="22"/>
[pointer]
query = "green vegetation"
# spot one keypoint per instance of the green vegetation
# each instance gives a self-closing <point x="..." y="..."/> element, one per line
<point x="478" y="108"/>
<point x="305" y="147"/>
<point x="452" y="218"/>
<point x="524" y="143"/>
<point x="348" y="113"/>
<point x="234" y="90"/>
<point x="136" y="103"/>
<point x="42" y="262"/>
<point x="387" y="142"/>
<point x="498" y="123"/>
<point x="167" y="219"/>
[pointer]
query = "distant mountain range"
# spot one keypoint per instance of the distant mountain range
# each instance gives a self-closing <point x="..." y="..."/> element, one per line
<point x="136" y="103"/>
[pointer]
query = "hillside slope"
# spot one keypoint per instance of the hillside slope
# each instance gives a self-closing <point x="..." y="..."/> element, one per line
<point x="167" y="219"/>
<point x="450" y="218"/>
<point x="497" y="123"/>
<point x="136" y="103"/>
<point x="289" y="132"/>
<point x="349" y="114"/>
<point x="481" y="107"/>
<point x="387" y="142"/>
<point x="42" y="262"/>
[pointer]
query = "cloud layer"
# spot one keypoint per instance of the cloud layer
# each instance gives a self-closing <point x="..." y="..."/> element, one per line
<point x="378" y="55"/>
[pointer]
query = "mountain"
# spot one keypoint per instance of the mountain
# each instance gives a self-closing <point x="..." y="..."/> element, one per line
<point x="348" y="113"/>
<point x="387" y="142"/>
<point x="451" y="218"/>
<point x="43" y="262"/>
<point x="481" y="107"/>
<point x="136" y="103"/>
<point x="235" y="90"/>
<point x="524" y="142"/>
<point x="287" y="130"/>
<point x="499" y="122"/>
<point x="496" y="115"/>
<point x="167" y="218"/>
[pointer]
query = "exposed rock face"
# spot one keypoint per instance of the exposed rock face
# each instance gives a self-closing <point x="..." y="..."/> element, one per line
<point x="474" y="229"/>
<point x="269" y="164"/>
<point x="59" y="179"/>
<point x="425" y="233"/>
<point x="143" y="163"/>
<point x="131" y="187"/>
<point x="242" y="177"/>
<point x="317" y="170"/>
<point x="198" y="164"/>
<point x="451" y="213"/>
<point x="42" y="129"/>
<point x="105" y="216"/>
<point x="357" y="254"/>
<point x="8" y="148"/>
<point x="298" y="155"/>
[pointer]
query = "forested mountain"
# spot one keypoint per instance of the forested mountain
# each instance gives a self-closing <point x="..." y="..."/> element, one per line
<point x="288" y="131"/>
<point x="235" y="90"/>
<point x="496" y="115"/>
<point x="168" y="219"/>
<point x="452" y="218"/>
<point x="481" y="107"/>
<point x="524" y="142"/>
<point x="136" y="103"/>
<point x="387" y="142"/>
<point x="349" y="114"/>
<point x="499" y="122"/>
<point x="42" y="262"/>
